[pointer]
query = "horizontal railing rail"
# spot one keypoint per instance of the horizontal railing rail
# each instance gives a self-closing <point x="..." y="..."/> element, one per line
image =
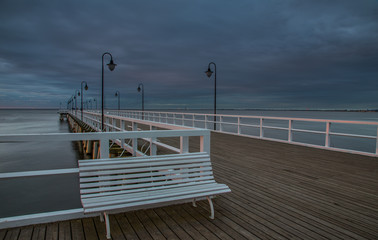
<point x="338" y="135"/>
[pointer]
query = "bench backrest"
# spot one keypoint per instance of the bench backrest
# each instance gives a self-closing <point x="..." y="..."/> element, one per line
<point x="101" y="177"/>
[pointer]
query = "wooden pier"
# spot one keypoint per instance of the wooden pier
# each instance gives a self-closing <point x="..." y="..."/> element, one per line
<point x="279" y="191"/>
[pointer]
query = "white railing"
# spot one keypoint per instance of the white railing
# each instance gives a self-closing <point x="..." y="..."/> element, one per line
<point x="104" y="138"/>
<point x="114" y="123"/>
<point x="358" y="137"/>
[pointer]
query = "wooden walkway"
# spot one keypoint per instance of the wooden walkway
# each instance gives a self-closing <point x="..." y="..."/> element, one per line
<point x="279" y="191"/>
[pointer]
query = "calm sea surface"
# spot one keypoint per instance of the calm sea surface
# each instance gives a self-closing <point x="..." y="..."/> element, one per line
<point x="20" y="196"/>
<point x="53" y="193"/>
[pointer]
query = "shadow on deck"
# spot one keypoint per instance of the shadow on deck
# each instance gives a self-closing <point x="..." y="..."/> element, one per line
<point x="279" y="191"/>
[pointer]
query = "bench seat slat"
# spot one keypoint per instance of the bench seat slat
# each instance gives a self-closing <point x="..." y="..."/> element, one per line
<point x="85" y="193"/>
<point x="148" y="192"/>
<point x="143" y="164"/>
<point x="84" y="175"/>
<point x="150" y="174"/>
<point x="154" y="201"/>
<point x="164" y="195"/>
<point x="102" y="162"/>
<point x="93" y="162"/>
<point x="189" y="178"/>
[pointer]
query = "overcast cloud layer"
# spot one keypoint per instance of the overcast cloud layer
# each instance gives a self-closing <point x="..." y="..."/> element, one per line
<point x="292" y="54"/>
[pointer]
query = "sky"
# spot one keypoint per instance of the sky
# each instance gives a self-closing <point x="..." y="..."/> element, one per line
<point x="271" y="54"/>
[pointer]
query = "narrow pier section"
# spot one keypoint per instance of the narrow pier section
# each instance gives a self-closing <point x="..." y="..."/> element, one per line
<point x="279" y="191"/>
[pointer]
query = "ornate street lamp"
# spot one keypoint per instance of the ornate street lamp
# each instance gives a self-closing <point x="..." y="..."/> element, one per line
<point x="209" y="73"/>
<point x="82" y="95"/>
<point x="111" y="66"/>
<point x="141" y="88"/>
<point x="118" y="95"/>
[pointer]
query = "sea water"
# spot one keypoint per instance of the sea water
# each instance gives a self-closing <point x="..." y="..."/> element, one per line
<point x="21" y="196"/>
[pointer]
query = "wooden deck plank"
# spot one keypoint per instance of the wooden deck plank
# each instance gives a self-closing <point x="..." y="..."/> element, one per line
<point x="12" y="234"/>
<point x="115" y="230"/>
<point x="3" y="232"/>
<point x="52" y="230"/>
<point x="149" y="225"/>
<point x="205" y="221"/>
<point x="280" y="196"/>
<point x="125" y="226"/>
<point x="100" y="229"/>
<point x="89" y="228"/>
<point x="161" y="225"/>
<point x="64" y="230"/>
<point x="77" y="229"/>
<point x="193" y="222"/>
<point x="183" y="223"/>
<point x="39" y="232"/>
<point x="137" y="226"/>
<point x="25" y="233"/>
<point x="219" y="223"/>
<point x="177" y="229"/>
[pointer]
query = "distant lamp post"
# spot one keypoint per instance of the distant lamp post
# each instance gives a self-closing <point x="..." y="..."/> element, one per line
<point x="77" y="93"/>
<point x="90" y="101"/>
<point x="82" y="95"/>
<point x="119" y="96"/>
<point x="94" y="99"/>
<point x="209" y="73"/>
<point x="111" y="66"/>
<point x="141" y="88"/>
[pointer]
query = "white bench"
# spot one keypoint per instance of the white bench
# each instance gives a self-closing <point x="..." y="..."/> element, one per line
<point x="122" y="184"/>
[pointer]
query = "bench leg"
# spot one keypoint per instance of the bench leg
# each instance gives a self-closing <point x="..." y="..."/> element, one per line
<point x="194" y="202"/>
<point x="211" y="207"/>
<point x="107" y="225"/>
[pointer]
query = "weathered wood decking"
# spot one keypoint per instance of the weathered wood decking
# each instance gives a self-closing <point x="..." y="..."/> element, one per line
<point x="279" y="191"/>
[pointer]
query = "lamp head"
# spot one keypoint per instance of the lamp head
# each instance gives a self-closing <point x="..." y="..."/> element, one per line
<point x="86" y="87"/>
<point x="209" y="72"/>
<point x="78" y="93"/>
<point x="139" y="89"/>
<point x="116" y="94"/>
<point x="111" y="65"/>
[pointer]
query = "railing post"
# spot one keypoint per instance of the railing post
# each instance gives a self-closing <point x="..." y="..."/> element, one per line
<point x="184" y="144"/>
<point x="328" y="138"/>
<point x="206" y="121"/>
<point x="376" y="140"/>
<point x="205" y="143"/>
<point x="261" y="128"/>
<point x="221" y="123"/>
<point x="238" y="125"/>
<point x="104" y="148"/>
<point x="192" y="120"/>
<point x="122" y="126"/>
<point x="290" y="133"/>
<point x="153" y="148"/>
<point x="135" y="140"/>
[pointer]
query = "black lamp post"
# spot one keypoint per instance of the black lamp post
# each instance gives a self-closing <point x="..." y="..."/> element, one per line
<point x="118" y="95"/>
<point x="111" y="66"/>
<point x="141" y="87"/>
<point x="94" y="99"/>
<point x="82" y="95"/>
<point x="90" y="101"/>
<point x="209" y="73"/>
<point x="77" y="93"/>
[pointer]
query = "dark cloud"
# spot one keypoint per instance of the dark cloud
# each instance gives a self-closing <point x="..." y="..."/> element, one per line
<point x="269" y="54"/>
